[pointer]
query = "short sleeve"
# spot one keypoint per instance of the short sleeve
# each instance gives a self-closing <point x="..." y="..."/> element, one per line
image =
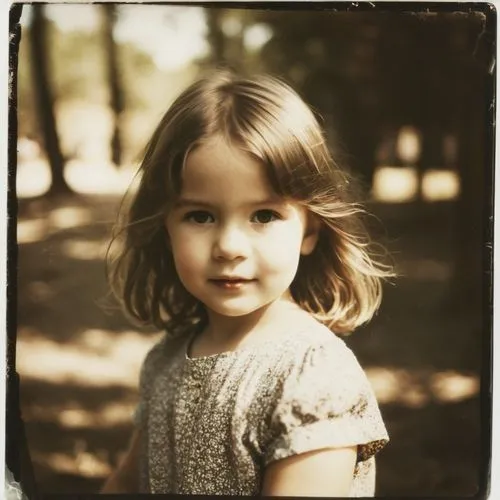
<point x="326" y="401"/>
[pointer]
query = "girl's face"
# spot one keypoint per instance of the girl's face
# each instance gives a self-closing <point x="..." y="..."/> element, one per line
<point x="236" y="245"/>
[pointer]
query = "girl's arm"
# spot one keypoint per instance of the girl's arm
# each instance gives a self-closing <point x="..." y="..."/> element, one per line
<point x="327" y="472"/>
<point x="125" y="479"/>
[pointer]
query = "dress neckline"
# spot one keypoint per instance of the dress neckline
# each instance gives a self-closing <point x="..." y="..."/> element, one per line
<point x="212" y="357"/>
<point x="280" y="340"/>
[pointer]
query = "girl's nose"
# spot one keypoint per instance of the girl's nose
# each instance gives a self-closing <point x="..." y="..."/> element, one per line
<point x="231" y="243"/>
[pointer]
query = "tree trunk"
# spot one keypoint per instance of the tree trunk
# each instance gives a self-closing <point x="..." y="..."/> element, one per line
<point x="114" y="83"/>
<point x="216" y="37"/>
<point x="475" y="166"/>
<point x="45" y="101"/>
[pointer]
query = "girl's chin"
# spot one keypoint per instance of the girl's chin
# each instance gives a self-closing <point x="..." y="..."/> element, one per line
<point x="239" y="310"/>
<point x="234" y="310"/>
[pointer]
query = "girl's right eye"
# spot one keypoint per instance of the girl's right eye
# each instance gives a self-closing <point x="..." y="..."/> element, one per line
<point x="199" y="217"/>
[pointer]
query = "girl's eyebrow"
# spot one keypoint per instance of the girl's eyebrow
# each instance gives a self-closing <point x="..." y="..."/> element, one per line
<point x="183" y="202"/>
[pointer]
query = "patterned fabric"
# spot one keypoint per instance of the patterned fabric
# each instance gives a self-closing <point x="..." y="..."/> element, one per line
<point x="212" y="424"/>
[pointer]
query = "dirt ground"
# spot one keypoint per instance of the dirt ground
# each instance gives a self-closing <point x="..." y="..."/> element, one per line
<point x="78" y="361"/>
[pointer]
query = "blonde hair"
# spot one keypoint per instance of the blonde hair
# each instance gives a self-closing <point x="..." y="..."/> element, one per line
<point x="339" y="283"/>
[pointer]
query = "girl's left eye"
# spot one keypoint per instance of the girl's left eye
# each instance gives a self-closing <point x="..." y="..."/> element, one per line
<point x="265" y="216"/>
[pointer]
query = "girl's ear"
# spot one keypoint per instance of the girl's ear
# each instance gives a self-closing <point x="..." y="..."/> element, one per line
<point x="311" y="235"/>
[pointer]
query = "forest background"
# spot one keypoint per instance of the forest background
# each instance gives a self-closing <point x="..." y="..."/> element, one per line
<point x="407" y="102"/>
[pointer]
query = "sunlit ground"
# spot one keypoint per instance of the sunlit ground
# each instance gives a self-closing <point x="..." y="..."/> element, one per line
<point x="401" y="184"/>
<point x="79" y="462"/>
<point x="34" y="229"/>
<point x="33" y="177"/>
<point x="440" y="185"/>
<point x="95" y="358"/>
<point x="416" y="389"/>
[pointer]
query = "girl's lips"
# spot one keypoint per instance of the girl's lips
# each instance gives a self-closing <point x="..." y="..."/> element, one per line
<point x="230" y="283"/>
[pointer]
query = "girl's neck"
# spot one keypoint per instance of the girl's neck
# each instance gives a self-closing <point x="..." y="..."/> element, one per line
<point x="225" y="333"/>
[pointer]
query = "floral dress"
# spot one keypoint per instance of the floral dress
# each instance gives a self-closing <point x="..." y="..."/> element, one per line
<point x="211" y="425"/>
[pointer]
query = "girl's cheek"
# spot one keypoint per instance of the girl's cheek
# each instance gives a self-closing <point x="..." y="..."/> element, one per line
<point x="187" y="247"/>
<point x="285" y="239"/>
<point x="188" y="263"/>
<point x="190" y="248"/>
<point x="281" y="249"/>
<point x="185" y="235"/>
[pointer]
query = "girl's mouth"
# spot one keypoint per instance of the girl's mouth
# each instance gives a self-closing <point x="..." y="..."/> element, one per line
<point x="230" y="283"/>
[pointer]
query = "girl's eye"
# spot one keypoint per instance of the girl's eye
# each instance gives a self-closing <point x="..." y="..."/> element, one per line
<point x="199" y="217"/>
<point x="265" y="216"/>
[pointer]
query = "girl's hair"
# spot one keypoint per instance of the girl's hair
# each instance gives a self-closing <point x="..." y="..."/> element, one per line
<point x="339" y="283"/>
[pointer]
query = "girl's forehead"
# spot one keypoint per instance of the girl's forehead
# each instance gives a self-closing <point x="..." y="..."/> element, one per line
<point x="218" y="166"/>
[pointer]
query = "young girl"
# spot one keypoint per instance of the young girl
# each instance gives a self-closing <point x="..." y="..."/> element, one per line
<point x="241" y="243"/>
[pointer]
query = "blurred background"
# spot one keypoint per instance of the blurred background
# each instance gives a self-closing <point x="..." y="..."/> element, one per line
<point x="406" y="99"/>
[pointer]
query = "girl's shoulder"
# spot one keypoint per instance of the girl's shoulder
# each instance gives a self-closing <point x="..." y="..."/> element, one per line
<point x="311" y="355"/>
<point x="317" y="358"/>
<point x="320" y="352"/>
<point x="315" y="344"/>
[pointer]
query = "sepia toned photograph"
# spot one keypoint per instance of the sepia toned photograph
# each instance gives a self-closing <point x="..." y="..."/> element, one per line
<point x="250" y="249"/>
